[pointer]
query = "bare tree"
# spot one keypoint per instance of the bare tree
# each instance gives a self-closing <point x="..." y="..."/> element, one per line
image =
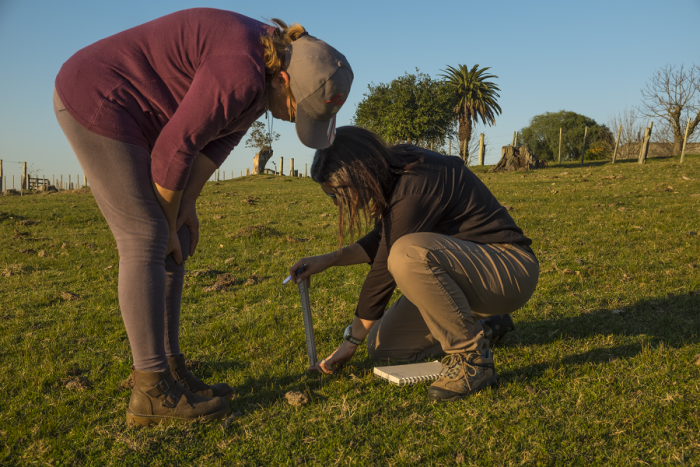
<point x="632" y="132"/>
<point x="671" y="96"/>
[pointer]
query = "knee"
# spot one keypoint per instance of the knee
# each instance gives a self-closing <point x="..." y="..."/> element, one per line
<point x="148" y="239"/>
<point x="406" y="250"/>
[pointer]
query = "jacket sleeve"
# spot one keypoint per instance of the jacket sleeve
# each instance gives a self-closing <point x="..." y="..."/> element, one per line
<point x="223" y="87"/>
<point x="219" y="149"/>
<point x="370" y="242"/>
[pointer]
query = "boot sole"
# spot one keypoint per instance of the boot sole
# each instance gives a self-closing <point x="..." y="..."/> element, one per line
<point x="133" y="419"/>
<point x="435" y="398"/>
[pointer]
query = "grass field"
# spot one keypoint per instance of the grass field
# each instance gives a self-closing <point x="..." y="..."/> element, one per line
<point x="582" y="383"/>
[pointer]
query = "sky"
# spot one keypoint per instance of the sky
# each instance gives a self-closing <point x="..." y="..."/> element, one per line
<point x="591" y="57"/>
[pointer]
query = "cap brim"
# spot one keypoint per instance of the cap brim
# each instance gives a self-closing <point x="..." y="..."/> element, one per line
<point x="314" y="133"/>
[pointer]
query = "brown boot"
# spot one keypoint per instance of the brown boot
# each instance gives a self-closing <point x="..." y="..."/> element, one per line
<point x="183" y="375"/>
<point x="158" y="398"/>
<point x="463" y="374"/>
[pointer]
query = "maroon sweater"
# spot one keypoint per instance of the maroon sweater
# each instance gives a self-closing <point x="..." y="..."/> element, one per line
<point x="189" y="82"/>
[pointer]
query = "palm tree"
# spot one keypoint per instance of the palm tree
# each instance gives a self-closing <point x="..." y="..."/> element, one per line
<point x="475" y="98"/>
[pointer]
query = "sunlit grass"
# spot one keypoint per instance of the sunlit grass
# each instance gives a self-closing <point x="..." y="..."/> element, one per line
<point x="581" y="381"/>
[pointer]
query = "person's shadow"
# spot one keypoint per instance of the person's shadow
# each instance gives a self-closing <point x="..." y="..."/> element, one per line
<point x="673" y="321"/>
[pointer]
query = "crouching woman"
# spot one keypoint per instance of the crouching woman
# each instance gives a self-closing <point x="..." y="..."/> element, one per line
<point x="442" y="238"/>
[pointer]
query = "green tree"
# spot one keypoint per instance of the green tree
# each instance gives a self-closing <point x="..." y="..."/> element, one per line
<point x="542" y="135"/>
<point x="261" y="140"/>
<point x="413" y="108"/>
<point x="475" y="98"/>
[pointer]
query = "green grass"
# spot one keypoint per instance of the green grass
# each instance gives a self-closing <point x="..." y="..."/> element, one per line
<point x="580" y="385"/>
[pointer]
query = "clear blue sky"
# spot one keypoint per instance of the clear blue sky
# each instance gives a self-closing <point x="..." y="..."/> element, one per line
<point x="588" y="57"/>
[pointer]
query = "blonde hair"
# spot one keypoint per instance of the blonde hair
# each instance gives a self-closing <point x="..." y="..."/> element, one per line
<point x="275" y="48"/>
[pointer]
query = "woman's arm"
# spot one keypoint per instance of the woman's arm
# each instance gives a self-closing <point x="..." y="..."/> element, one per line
<point x="352" y="254"/>
<point x="169" y="201"/>
<point x="202" y="169"/>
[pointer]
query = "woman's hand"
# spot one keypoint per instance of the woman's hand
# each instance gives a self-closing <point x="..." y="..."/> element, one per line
<point x="336" y="360"/>
<point x="314" y="265"/>
<point x="174" y="247"/>
<point x="187" y="215"/>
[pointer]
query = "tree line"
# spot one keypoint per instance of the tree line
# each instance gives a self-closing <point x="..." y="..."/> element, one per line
<point x="432" y="112"/>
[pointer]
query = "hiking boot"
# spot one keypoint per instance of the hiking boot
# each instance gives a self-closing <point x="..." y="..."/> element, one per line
<point x="497" y="326"/>
<point x="158" y="398"/>
<point x="463" y="374"/>
<point x="183" y="375"/>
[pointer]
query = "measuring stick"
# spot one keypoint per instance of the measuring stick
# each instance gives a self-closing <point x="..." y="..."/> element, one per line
<point x="308" y="322"/>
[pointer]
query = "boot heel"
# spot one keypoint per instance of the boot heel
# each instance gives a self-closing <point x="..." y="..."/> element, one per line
<point x="138" y="420"/>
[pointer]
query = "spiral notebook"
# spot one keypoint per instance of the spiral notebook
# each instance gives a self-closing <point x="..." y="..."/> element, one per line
<point x="412" y="373"/>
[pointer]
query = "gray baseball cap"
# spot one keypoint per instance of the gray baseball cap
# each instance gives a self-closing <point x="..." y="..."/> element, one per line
<point x="320" y="78"/>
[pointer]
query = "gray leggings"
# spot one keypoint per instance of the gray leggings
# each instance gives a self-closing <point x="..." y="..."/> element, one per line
<point x="150" y="285"/>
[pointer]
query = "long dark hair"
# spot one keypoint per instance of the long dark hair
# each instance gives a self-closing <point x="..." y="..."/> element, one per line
<point x="362" y="169"/>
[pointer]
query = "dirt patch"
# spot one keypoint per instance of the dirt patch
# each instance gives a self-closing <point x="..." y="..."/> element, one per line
<point x="296" y="398"/>
<point x="27" y="251"/>
<point x="250" y="200"/>
<point x="69" y="296"/>
<point x="298" y="240"/>
<point x="225" y="280"/>
<point x="253" y="279"/>
<point x="78" y="383"/>
<point x="27" y="222"/>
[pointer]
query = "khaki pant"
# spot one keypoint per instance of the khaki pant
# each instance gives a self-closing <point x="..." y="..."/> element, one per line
<point x="448" y="285"/>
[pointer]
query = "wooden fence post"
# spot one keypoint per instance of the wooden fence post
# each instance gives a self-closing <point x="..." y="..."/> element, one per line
<point x="617" y="143"/>
<point x="306" y="170"/>
<point x="583" y="148"/>
<point x="481" y="149"/>
<point x="560" y="145"/>
<point x="291" y="167"/>
<point x="24" y="174"/>
<point x="247" y="171"/>
<point x="685" y="140"/>
<point x="515" y="138"/>
<point x="1" y="185"/>
<point x="61" y="182"/>
<point x="647" y="143"/>
<point x="450" y="146"/>
<point x="281" y="165"/>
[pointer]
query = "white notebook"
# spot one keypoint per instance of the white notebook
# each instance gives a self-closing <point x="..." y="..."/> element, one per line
<point x="412" y="373"/>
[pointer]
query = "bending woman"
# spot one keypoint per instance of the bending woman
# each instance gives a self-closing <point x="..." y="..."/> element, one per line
<point x="442" y="238"/>
<point x="151" y="113"/>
